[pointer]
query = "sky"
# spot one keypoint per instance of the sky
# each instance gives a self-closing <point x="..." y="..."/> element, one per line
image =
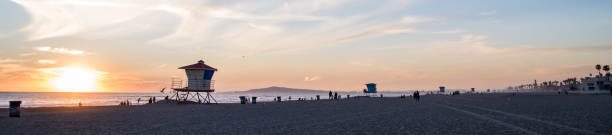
<point x="137" y="45"/>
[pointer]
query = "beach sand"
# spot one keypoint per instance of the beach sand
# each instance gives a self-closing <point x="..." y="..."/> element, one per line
<point x="435" y="114"/>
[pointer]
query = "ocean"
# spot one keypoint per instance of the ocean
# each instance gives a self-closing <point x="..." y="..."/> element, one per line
<point x="67" y="99"/>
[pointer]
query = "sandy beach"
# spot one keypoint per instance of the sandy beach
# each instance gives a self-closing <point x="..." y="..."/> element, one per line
<point x="434" y="114"/>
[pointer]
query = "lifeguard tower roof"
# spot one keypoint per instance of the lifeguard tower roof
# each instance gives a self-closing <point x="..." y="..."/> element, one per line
<point x="199" y="65"/>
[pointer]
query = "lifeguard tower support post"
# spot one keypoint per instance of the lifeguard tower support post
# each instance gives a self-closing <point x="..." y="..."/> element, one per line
<point x="371" y="89"/>
<point x="199" y="79"/>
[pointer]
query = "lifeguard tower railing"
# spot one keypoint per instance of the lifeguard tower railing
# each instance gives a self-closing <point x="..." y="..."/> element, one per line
<point x="176" y="83"/>
<point x="201" y="84"/>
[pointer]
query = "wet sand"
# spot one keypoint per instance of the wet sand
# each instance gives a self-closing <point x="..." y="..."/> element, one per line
<point x="434" y="114"/>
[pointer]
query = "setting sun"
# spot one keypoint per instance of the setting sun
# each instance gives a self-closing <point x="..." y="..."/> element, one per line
<point x="74" y="79"/>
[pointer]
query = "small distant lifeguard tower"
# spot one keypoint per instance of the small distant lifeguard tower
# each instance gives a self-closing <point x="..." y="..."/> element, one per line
<point x="371" y="89"/>
<point x="199" y="80"/>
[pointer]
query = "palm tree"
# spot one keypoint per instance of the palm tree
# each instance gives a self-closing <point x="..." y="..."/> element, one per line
<point x="598" y="67"/>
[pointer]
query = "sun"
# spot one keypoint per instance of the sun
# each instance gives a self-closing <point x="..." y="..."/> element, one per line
<point x="75" y="79"/>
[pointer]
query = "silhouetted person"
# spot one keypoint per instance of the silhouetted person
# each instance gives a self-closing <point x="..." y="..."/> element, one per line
<point x="150" y="100"/>
<point x="335" y="95"/>
<point x="166" y="98"/>
<point x="416" y="96"/>
<point x="330" y="95"/>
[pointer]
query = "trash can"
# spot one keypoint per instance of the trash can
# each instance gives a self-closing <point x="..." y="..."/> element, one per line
<point x="253" y="100"/>
<point x="242" y="100"/>
<point x="318" y="97"/>
<point x="278" y="99"/>
<point x="14" y="107"/>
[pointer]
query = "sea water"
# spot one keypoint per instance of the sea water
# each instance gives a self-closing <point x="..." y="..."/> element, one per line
<point x="57" y="99"/>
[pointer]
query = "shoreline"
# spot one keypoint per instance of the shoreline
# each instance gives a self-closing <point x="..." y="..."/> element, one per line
<point x="259" y="101"/>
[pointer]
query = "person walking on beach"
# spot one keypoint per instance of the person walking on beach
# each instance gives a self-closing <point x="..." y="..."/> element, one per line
<point x="335" y="95"/>
<point x="416" y="96"/>
<point x="330" y="94"/>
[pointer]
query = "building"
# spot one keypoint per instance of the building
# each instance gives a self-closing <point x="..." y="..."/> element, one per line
<point x="597" y="84"/>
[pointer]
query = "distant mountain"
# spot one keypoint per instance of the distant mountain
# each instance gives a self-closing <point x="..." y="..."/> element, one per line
<point x="275" y="89"/>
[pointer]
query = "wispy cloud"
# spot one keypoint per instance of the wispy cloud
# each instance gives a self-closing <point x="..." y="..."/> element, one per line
<point x="8" y="65"/>
<point x="417" y="20"/>
<point x="61" y="70"/>
<point x="488" y="13"/>
<point x="478" y="45"/>
<point x="60" y="50"/>
<point x="162" y="65"/>
<point x="456" y="31"/>
<point x="43" y="61"/>
<point x="8" y="60"/>
<point x="243" y="27"/>
<point x="27" y="54"/>
<point x="311" y="78"/>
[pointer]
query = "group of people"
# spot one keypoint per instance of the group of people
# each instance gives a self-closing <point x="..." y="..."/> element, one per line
<point x="334" y="95"/>
<point x="415" y="95"/>
<point x="128" y="103"/>
<point x="125" y="103"/>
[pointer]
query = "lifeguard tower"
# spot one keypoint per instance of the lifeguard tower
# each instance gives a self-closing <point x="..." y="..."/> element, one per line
<point x="371" y="89"/>
<point x="199" y="81"/>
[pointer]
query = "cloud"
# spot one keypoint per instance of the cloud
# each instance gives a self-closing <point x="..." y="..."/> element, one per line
<point x="241" y="27"/>
<point x="66" y="17"/>
<point x="60" y="50"/>
<point x="8" y="65"/>
<point x="311" y="78"/>
<point x="405" y="25"/>
<point x="27" y="54"/>
<point x="43" y="61"/>
<point x="488" y="13"/>
<point x="417" y="20"/>
<point x="478" y="45"/>
<point x="8" y="60"/>
<point x="162" y="65"/>
<point x="456" y="31"/>
<point x="61" y="70"/>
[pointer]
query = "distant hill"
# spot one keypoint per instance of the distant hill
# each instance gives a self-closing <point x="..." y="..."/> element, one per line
<point x="275" y="89"/>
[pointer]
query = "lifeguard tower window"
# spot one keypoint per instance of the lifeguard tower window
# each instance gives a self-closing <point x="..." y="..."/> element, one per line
<point x="371" y="88"/>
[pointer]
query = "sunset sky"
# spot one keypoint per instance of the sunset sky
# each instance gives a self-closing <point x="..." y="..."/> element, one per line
<point x="137" y="45"/>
